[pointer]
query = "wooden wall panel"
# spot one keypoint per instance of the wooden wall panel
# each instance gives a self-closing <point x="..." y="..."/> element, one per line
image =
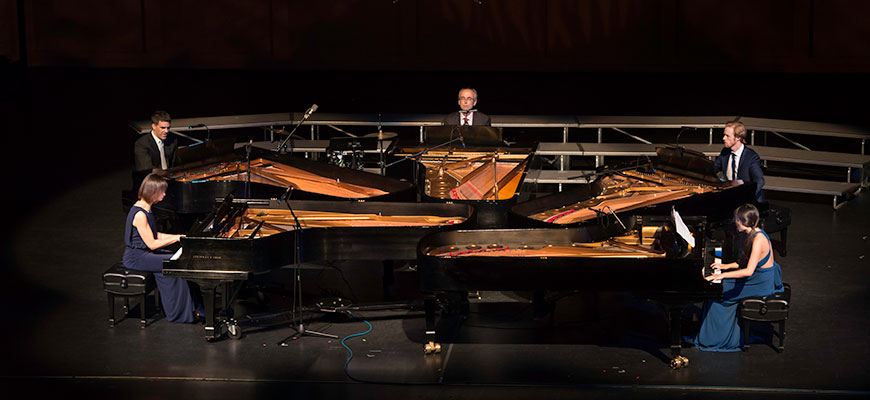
<point x="9" y="30"/>
<point x="216" y="29"/>
<point x="344" y="32"/>
<point x="741" y="32"/>
<point x="841" y="30"/>
<point x="589" y="28"/>
<point x="546" y="35"/>
<point x="463" y="34"/>
<point x="78" y="31"/>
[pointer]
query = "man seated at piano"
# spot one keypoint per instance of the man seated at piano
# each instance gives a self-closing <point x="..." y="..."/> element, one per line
<point x="738" y="161"/>
<point x="467" y="115"/>
<point x="154" y="151"/>
<point x="144" y="251"/>
<point x="759" y="276"/>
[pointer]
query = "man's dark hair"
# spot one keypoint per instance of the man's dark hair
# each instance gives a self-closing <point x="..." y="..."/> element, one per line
<point x="160" y="116"/>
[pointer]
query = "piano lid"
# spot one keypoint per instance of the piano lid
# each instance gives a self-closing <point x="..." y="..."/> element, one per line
<point x="474" y="173"/>
<point x="257" y="235"/>
<point x="193" y="187"/>
<point x="678" y="178"/>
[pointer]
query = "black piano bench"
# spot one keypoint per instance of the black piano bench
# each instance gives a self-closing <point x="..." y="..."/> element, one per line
<point x="127" y="283"/>
<point x="773" y="308"/>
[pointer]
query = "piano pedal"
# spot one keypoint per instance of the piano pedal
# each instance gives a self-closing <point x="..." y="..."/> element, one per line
<point x="679" y="362"/>
<point x="432" y="348"/>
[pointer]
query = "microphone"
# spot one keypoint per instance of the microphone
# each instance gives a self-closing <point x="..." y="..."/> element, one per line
<point x="684" y="128"/>
<point x="468" y="111"/>
<point x="287" y="193"/>
<point x="207" y="131"/>
<point x="310" y="111"/>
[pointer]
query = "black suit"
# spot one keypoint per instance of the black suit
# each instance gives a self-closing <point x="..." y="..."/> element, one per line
<point x="478" y="119"/>
<point x="748" y="168"/>
<point x="146" y="154"/>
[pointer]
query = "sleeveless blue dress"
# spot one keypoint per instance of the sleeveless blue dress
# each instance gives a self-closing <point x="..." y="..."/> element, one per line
<point x="178" y="304"/>
<point x="720" y="330"/>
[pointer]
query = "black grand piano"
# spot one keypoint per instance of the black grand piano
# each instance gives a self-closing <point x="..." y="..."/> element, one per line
<point x="193" y="187"/>
<point x="676" y="177"/>
<point x="470" y="165"/>
<point x="543" y="252"/>
<point x="243" y="238"/>
<point x="215" y="171"/>
<point x="647" y="259"/>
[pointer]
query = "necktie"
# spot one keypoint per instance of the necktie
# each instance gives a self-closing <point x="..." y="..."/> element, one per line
<point x="465" y="120"/>
<point x="162" y="154"/>
<point x="733" y="166"/>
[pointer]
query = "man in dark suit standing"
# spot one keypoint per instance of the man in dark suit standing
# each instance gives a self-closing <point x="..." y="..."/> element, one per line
<point x="738" y="161"/>
<point x="156" y="150"/>
<point x="467" y="115"/>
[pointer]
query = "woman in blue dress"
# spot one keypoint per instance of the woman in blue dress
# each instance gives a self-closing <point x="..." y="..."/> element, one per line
<point x="760" y="277"/>
<point x="144" y="251"/>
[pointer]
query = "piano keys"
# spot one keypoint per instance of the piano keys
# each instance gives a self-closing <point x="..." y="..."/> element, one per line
<point x="247" y="237"/>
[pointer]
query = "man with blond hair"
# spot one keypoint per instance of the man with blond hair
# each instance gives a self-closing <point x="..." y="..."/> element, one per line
<point x="737" y="161"/>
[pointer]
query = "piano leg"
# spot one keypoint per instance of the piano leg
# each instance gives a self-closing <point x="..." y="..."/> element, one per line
<point x="430" y="304"/>
<point x="212" y="325"/>
<point x="674" y="315"/>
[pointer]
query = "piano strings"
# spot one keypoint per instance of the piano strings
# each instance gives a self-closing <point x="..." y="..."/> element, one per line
<point x="473" y="175"/>
<point x="639" y="244"/>
<point x="276" y="174"/>
<point x="627" y="191"/>
<point x="271" y="221"/>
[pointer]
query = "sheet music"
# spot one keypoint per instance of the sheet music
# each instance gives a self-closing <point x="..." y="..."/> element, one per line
<point x="682" y="229"/>
<point x="177" y="254"/>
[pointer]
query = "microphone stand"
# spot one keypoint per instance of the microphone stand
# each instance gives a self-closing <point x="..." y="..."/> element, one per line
<point x="207" y="131"/>
<point x="290" y="135"/>
<point x="381" y="159"/>
<point x="677" y="144"/>
<point x="248" y="159"/>
<point x="299" y="327"/>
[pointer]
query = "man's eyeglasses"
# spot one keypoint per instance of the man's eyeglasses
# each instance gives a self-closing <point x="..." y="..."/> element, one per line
<point x="466" y="98"/>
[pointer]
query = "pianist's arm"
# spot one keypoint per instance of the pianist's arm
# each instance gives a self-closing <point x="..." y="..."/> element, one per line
<point x="163" y="239"/>
<point x="758" y="249"/>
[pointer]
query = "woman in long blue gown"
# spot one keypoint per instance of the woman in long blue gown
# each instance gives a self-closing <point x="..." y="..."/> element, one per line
<point x="144" y="251"/>
<point x="761" y="277"/>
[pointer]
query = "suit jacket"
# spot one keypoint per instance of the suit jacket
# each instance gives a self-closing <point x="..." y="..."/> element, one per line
<point x="479" y="119"/>
<point x="146" y="154"/>
<point x="748" y="168"/>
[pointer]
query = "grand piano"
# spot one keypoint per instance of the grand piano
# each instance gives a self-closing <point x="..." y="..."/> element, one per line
<point x="470" y="165"/>
<point x="243" y="238"/>
<point x="677" y="177"/>
<point x="597" y="237"/>
<point x="257" y="173"/>
<point x="647" y="259"/>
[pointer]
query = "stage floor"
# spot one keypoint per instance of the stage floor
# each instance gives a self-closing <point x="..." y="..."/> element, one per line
<point x="58" y="341"/>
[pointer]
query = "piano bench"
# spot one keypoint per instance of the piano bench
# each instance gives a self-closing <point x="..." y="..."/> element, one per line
<point x="773" y="308"/>
<point x="127" y="283"/>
